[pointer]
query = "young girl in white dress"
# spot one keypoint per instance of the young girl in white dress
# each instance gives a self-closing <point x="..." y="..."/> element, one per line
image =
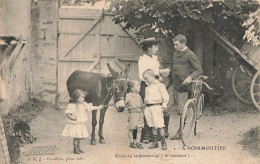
<point x="76" y="117"/>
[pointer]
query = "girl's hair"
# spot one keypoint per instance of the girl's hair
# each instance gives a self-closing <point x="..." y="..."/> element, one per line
<point x="132" y="83"/>
<point x="76" y="94"/>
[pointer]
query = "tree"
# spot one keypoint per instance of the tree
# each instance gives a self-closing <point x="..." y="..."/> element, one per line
<point x="76" y="2"/>
<point x="161" y="17"/>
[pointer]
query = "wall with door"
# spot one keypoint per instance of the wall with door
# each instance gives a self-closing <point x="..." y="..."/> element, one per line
<point x="87" y="40"/>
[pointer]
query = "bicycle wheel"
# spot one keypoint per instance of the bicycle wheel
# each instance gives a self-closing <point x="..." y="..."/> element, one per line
<point x="199" y="113"/>
<point x="187" y="122"/>
<point x="200" y="105"/>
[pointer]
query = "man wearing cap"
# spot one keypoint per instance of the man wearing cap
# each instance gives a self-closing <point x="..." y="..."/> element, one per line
<point x="185" y="67"/>
<point x="150" y="61"/>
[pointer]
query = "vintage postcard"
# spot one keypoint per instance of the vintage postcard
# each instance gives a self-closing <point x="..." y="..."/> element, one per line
<point x="129" y="82"/>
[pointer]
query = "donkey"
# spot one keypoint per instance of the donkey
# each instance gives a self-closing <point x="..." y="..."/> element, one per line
<point x="100" y="88"/>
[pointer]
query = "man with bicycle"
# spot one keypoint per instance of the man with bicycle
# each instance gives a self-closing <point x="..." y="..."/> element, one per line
<point x="185" y="67"/>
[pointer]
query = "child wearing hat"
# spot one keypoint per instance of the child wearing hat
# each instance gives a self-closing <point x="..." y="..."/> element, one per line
<point x="135" y="106"/>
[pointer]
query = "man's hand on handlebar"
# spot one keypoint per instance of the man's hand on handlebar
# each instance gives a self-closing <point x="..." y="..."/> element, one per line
<point x="187" y="80"/>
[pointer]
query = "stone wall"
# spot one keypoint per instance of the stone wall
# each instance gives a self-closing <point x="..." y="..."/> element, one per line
<point x="33" y="73"/>
<point x="44" y="50"/>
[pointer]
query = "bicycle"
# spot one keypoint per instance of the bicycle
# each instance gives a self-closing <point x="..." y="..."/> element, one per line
<point x="193" y="110"/>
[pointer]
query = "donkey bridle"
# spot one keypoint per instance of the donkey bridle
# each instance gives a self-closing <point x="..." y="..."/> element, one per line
<point x="111" y="91"/>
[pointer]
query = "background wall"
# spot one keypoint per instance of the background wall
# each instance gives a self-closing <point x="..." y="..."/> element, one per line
<point x="16" y="17"/>
<point x="33" y="73"/>
<point x="44" y="50"/>
<point x="15" y="21"/>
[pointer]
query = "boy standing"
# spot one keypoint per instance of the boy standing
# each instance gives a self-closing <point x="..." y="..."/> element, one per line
<point x="185" y="67"/>
<point x="156" y="100"/>
<point x="135" y="106"/>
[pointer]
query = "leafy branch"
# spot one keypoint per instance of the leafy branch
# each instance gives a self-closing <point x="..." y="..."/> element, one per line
<point x="252" y="34"/>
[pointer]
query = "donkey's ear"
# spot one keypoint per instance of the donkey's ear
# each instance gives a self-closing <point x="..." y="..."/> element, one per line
<point x="112" y="71"/>
<point x="127" y="71"/>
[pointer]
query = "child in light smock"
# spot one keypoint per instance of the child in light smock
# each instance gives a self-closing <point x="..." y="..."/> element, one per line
<point x="76" y="117"/>
<point x="135" y="106"/>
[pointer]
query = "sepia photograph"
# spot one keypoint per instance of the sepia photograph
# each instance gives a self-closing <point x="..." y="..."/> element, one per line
<point x="129" y="81"/>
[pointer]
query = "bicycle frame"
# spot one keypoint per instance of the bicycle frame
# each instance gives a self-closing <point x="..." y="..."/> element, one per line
<point x="193" y="110"/>
<point x="198" y="96"/>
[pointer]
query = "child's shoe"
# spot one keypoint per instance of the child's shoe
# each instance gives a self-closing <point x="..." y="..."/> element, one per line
<point x="164" y="146"/>
<point x="76" y="151"/>
<point x="155" y="143"/>
<point x="139" y="146"/>
<point x="81" y="151"/>
<point x="133" y="145"/>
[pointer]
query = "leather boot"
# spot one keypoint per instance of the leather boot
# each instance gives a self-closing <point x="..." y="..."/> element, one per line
<point x="178" y="134"/>
<point x="166" y="132"/>
<point x="76" y="151"/>
<point x="75" y="144"/>
<point x="145" y="133"/>
<point x="166" y="123"/>
<point x="133" y="145"/>
<point x="164" y="146"/>
<point x="81" y="151"/>
<point x="155" y="143"/>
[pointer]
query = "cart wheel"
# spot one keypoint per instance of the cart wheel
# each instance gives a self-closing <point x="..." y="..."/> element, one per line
<point x="241" y="80"/>
<point x="255" y="90"/>
<point x="187" y="122"/>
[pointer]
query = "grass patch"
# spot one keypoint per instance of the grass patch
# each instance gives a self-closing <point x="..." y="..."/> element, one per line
<point x="251" y="141"/>
<point x="26" y="112"/>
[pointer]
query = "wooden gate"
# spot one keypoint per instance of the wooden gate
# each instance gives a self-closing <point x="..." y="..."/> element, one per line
<point x="87" y="40"/>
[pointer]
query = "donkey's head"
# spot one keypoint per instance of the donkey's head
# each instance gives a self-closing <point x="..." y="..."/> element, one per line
<point x="120" y="85"/>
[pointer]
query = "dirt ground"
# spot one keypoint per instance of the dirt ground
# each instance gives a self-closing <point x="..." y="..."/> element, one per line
<point x="220" y="130"/>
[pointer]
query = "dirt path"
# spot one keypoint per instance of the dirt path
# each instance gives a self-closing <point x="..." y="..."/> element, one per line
<point x="223" y="131"/>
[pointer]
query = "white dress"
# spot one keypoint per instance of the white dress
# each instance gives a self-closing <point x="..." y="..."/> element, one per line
<point x="147" y="62"/>
<point x="77" y="129"/>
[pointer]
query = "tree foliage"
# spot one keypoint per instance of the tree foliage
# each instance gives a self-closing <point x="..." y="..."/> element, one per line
<point x="148" y="18"/>
<point x="162" y="17"/>
<point x="76" y="2"/>
<point x="252" y="34"/>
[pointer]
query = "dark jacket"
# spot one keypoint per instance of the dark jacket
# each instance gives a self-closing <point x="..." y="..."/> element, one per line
<point x="184" y="64"/>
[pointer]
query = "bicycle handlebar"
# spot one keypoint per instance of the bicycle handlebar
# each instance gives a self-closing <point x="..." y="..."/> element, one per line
<point x="199" y="81"/>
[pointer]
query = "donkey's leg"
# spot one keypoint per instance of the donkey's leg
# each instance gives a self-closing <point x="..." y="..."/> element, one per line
<point x="101" y="122"/>
<point x="94" y="123"/>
